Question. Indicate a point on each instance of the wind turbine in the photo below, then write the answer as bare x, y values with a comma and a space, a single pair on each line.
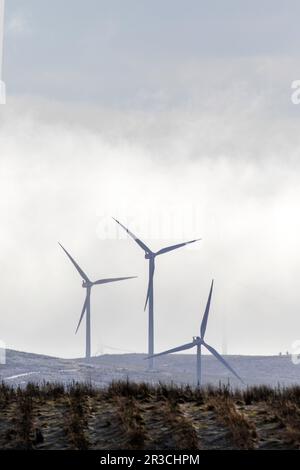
88, 284
151, 255
198, 342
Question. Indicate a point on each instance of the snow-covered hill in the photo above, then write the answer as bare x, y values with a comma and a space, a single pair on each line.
21, 368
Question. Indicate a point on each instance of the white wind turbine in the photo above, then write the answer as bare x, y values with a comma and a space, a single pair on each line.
150, 255
88, 284
198, 342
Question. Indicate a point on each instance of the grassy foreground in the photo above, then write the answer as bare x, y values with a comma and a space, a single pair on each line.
139, 416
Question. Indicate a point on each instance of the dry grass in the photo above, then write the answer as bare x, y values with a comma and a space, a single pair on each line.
243, 432
25, 427
76, 416
130, 417
182, 429
288, 415
139, 416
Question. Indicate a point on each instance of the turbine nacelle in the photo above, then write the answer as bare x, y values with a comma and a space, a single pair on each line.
86, 284
150, 255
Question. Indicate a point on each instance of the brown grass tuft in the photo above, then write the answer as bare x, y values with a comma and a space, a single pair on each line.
242, 431
130, 417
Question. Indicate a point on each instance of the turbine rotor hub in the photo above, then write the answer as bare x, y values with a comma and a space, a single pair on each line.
85, 284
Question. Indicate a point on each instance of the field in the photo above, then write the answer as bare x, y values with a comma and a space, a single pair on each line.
128, 415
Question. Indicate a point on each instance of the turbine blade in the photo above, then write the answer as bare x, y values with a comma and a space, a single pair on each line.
82, 314
205, 316
174, 247
179, 348
221, 359
82, 273
113, 279
150, 282
136, 239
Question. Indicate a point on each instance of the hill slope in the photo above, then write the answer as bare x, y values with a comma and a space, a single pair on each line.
138, 416
178, 368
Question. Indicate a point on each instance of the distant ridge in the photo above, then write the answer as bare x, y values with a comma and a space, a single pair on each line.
24, 367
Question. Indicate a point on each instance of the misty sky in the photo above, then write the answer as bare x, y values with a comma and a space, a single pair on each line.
176, 117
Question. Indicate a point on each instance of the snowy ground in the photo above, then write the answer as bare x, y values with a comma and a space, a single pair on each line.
21, 368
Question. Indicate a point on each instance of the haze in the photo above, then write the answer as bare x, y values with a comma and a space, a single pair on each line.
176, 118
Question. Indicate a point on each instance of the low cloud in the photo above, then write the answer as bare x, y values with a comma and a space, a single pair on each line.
18, 25
227, 177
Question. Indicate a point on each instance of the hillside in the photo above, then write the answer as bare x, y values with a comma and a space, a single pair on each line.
177, 368
138, 416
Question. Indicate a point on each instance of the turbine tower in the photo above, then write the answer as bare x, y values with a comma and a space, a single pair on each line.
150, 256
88, 284
198, 342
